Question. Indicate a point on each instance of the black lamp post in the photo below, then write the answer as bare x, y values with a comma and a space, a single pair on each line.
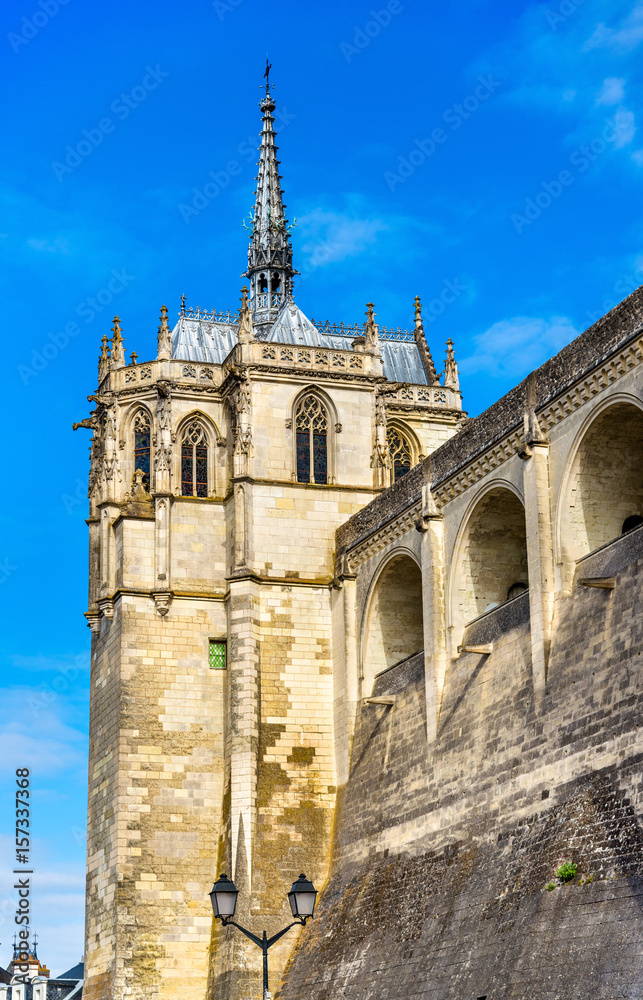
302, 898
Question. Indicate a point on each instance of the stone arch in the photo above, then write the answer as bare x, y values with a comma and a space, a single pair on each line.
332, 425
490, 555
133, 420
392, 624
405, 437
603, 485
210, 438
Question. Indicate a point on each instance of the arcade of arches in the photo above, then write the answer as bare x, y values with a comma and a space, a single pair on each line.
394, 628
493, 561
606, 486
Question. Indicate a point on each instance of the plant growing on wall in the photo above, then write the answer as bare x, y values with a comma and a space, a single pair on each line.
567, 871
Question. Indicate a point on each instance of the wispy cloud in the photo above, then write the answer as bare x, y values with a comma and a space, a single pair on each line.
612, 91
513, 347
58, 904
58, 244
624, 37
344, 235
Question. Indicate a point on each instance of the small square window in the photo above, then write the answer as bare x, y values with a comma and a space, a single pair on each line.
217, 654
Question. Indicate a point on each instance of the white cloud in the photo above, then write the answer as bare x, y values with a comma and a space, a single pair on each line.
514, 347
637, 156
625, 126
330, 236
57, 245
38, 752
624, 38
612, 91
57, 905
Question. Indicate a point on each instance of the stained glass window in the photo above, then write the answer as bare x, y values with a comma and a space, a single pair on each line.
400, 452
311, 426
217, 656
194, 461
142, 446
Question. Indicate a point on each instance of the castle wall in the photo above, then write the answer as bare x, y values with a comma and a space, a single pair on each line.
511, 742
443, 851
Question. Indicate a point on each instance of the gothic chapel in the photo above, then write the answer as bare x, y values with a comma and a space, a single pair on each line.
220, 471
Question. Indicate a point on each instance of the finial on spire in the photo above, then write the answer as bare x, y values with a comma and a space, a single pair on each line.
418, 312
451, 380
103, 360
164, 352
183, 305
246, 331
267, 76
423, 347
371, 329
117, 359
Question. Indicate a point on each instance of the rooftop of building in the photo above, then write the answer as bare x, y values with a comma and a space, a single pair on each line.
209, 336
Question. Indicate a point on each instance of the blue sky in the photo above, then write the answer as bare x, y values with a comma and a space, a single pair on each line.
494, 148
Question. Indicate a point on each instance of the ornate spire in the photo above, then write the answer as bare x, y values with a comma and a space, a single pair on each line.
164, 352
270, 267
246, 331
451, 379
372, 340
103, 361
423, 347
117, 359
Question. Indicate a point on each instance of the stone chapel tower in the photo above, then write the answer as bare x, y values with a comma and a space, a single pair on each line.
222, 698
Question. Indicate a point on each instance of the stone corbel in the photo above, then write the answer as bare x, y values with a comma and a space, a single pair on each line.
93, 621
221, 442
106, 607
430, 510
162, 601
338, 428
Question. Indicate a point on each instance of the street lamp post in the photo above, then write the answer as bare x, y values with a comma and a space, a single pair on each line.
302, 898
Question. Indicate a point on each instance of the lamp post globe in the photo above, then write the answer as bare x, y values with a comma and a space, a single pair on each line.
224, 897
302, 898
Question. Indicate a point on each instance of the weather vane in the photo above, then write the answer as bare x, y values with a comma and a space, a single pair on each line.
267, 75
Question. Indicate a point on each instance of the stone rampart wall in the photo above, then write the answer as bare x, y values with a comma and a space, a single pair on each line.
443, 851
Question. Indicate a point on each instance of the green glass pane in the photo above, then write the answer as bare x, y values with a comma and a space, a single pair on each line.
217, 656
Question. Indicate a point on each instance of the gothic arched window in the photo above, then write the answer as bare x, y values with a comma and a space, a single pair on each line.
142, 446
400, 452
311, 425
194, 461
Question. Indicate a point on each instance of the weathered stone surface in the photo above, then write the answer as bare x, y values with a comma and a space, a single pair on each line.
443, 853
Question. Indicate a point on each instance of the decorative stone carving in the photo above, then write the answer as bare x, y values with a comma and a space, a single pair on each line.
117, 356
380, 459
162, 601
106, 606
532, 431
163, 437
371, 342
164, 352
241, 405
451, 380
423, 347
139, 503
93, 620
